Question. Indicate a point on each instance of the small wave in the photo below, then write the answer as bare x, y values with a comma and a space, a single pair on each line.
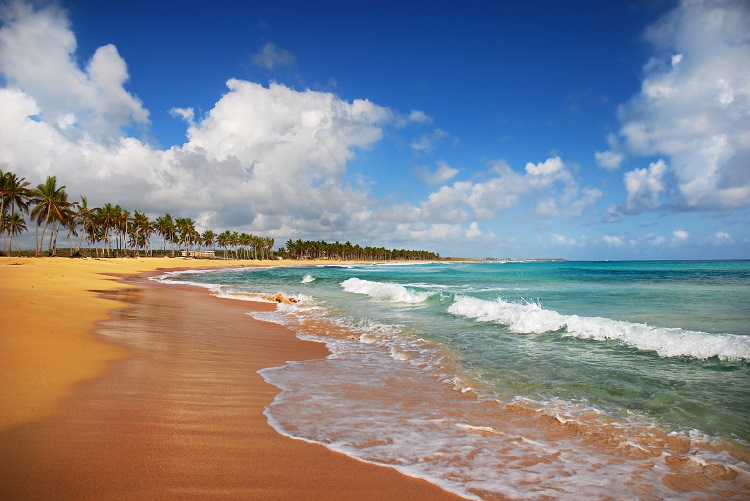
307, 279
531, 318
386, 291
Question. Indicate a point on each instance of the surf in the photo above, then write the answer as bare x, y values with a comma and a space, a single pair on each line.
532, 318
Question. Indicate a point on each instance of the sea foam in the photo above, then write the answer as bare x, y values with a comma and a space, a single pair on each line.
384, 291
531, 318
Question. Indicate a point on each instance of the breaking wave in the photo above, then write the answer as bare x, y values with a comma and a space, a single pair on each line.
385, 291
531, 318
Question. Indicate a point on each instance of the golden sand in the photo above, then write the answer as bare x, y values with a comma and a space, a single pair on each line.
113, 391
49, 311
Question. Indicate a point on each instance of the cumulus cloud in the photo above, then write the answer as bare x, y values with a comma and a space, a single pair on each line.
442, 174
549, 166
609, 160
425, 143
563, 240
680, 235
37, 56
271, 55
549, 183
473, 231
722, 238
268, 159
613, 241
186, 114
644, 187
694, 104
419, 117
654, 240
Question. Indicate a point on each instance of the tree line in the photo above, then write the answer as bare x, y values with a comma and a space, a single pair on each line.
115, 231
320, 249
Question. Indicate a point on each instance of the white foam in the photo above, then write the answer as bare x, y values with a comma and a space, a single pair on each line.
384, 291
307, 279
456, 443
531, 318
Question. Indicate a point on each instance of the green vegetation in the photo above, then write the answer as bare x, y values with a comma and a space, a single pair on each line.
348, 252
112, 231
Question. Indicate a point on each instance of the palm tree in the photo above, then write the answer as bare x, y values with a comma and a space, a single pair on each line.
145, 228
14, 224
13, 193
52, 206
165, 227
122, 216
245, 241
187, 232
224, 240
209, 239
234, 241
139, 232
85, 217
107, 217
269, 247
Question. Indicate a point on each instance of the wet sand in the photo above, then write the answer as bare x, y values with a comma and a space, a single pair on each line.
174, 409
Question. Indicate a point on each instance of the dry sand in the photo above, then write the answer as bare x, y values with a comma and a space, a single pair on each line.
111, 390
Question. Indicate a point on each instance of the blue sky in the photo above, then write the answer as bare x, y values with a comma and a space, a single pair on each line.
577, 129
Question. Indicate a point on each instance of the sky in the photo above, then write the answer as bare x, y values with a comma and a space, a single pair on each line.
575, 129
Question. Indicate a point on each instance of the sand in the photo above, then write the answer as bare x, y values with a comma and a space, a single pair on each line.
113, 390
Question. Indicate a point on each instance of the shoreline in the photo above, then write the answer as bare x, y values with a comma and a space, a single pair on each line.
189, 424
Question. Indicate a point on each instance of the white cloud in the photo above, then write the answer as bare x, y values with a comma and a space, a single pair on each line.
549, 184
654, 240
609, 159
612, 241
37, 55
546, 208
680, 235
694, 104
419, 117
563, 240
473, 231
612, 158
722, 238
644, 187
576, 205
186, 114
271, 55
266, 159
442, 174
425, 143
549, 166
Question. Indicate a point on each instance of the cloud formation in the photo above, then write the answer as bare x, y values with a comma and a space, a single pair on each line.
273, 160
37, 55
549, 184
693, 107
271, 55
267, 158
442, 174
644, 187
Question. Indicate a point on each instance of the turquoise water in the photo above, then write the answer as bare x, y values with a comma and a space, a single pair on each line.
425, 350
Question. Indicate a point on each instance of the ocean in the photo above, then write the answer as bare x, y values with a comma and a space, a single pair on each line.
524, 380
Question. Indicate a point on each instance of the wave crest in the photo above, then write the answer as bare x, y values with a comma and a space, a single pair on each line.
384, 291
531, 318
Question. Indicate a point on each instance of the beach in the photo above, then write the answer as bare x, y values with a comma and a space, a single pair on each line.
450, 372
114, 387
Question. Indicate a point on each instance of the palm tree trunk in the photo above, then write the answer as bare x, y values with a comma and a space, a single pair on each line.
53, 238
41, 240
